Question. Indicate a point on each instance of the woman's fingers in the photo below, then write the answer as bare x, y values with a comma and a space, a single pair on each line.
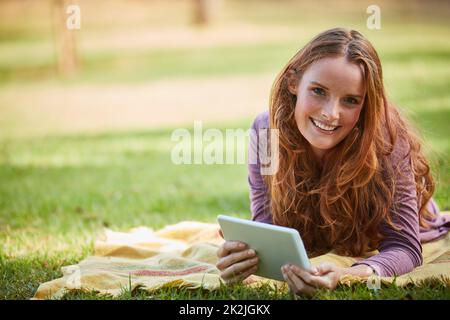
243, 275
234, 270
236, 262
229, 247
313, 281
235, 257
288, 280
296, 284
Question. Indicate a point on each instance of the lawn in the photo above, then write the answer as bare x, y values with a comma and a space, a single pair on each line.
59, 190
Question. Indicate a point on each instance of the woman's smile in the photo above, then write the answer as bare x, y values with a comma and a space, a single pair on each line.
323, 127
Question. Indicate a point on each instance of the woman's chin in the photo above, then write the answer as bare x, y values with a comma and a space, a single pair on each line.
322, 143
323, 146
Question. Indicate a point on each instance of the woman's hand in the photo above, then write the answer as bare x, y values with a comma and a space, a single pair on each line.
307, 282
236, 261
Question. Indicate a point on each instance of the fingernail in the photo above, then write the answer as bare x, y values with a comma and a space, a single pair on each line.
251, 252
241, 245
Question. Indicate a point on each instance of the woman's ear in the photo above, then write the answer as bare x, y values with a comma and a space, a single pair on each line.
292, 81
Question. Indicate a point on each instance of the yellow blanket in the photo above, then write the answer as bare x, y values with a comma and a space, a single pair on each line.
184, 255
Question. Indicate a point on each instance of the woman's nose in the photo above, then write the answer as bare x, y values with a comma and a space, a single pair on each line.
330, 111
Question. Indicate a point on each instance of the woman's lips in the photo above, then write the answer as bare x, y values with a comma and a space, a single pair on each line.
323, 130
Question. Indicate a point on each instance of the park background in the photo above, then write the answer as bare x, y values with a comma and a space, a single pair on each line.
86, 146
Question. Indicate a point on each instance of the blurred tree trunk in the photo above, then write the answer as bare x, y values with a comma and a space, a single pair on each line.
66, 53
205, 11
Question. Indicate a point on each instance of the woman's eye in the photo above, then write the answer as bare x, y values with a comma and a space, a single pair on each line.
351, 100
319, 91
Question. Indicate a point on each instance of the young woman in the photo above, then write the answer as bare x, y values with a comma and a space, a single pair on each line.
351, 175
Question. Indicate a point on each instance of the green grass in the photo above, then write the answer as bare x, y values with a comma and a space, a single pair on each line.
58, 192
427, 290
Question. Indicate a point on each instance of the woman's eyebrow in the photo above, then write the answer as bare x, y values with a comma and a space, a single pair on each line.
354, 96
348, 95
319, 84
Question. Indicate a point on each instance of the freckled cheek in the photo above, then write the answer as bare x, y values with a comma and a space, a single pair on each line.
350, 118
305, 108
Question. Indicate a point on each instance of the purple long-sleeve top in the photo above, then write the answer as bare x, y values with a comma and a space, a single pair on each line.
400, 251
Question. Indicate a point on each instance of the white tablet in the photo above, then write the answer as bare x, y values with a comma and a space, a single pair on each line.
275, 246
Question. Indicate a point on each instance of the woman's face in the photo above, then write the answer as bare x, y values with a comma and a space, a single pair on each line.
330, 96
